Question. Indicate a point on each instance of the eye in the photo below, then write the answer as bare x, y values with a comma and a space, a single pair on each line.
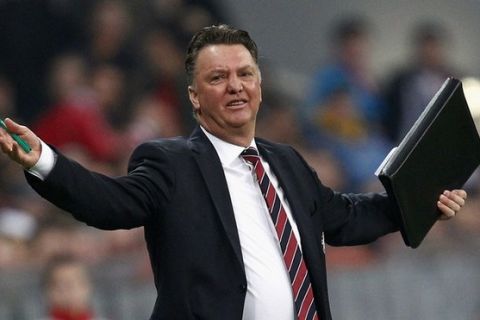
246, 74
217, 77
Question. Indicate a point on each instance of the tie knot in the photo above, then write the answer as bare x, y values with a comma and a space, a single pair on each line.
250, 155
250, 151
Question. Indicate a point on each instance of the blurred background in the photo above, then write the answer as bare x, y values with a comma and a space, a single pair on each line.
343, 81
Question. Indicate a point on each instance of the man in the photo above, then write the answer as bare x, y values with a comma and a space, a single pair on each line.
213, 238
411, 87
68, 290
343, 111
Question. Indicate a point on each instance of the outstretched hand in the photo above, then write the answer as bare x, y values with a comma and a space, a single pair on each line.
11, 148
450, 202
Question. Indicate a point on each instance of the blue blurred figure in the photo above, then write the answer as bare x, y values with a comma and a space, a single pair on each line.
344, 113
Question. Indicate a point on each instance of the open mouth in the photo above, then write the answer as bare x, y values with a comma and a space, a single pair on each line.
237, 103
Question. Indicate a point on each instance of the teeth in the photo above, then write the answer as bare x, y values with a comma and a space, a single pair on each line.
236, 103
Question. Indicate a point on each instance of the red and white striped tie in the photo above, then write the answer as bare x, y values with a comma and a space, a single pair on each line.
292, 255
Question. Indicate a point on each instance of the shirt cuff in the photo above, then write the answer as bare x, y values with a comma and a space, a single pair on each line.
45, 163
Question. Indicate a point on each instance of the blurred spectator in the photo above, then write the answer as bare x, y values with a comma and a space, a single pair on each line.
340, 129
90, 51
326, 166
152, 118
75, 117
110, 87
343, 112
51, 239
16, 231
20, 211
68, 290
349, 68
413, 86
161, 80
28, 43
109, 38
276, 124
184, 17
62, 238
59, 234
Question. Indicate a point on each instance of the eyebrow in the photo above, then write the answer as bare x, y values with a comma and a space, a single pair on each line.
223, 69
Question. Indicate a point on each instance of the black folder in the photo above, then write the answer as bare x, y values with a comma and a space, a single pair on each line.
440, 152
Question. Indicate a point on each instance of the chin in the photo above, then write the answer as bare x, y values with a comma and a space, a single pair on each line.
241, 119
240, 123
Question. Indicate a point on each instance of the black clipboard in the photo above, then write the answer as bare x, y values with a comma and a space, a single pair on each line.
440, 152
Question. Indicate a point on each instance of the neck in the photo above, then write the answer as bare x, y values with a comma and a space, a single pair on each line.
239, 137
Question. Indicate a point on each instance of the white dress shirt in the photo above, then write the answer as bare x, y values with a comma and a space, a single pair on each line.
269, 290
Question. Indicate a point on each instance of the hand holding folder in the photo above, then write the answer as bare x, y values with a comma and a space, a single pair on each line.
440, 152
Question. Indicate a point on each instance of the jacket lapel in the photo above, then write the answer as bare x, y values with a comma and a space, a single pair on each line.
212, 172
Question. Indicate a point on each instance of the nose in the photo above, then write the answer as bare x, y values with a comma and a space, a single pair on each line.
234, 84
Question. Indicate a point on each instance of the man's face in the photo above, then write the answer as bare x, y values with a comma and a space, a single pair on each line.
226, 91
69, 288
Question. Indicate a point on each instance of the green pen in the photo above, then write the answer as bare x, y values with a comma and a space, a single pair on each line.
15, 137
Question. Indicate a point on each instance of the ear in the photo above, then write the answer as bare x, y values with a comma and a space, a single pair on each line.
260, 88
260, 83
192, 94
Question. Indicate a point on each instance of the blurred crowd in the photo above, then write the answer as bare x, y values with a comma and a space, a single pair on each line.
96, 78
107, 75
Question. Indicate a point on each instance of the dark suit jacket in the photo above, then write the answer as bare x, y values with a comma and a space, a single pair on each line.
176, 190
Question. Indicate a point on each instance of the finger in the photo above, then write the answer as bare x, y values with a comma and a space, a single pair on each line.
458, 196
10, 147
452, 204
11, 150
5, 141
458, 199
18, 155
447, 212
6, 148
460, 192
16, 128
24, 133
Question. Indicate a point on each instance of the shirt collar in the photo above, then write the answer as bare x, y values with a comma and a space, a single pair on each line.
227, 152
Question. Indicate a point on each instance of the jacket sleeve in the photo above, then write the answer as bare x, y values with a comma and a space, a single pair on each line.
350, 219
110, 202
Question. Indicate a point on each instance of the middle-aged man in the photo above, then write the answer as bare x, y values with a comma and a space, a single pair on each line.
231, 234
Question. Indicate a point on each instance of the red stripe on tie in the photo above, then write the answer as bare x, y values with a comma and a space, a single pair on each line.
259, 170
307, 304
270, 197
299, 279
290, 251
281, 223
